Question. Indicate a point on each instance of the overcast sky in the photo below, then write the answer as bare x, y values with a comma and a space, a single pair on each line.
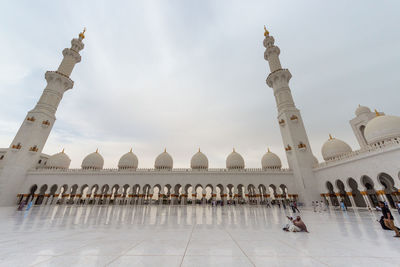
190, 74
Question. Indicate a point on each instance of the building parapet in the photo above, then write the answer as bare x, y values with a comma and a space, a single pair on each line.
363, 152
155, 171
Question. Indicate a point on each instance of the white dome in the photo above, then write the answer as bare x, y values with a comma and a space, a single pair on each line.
381, 128
128, 161
93, 161
333, 148
361, 110
271, 161
234, 161
164, 161
58, 161
199, 161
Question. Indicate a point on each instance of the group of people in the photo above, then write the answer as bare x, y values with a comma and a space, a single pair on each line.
318, 206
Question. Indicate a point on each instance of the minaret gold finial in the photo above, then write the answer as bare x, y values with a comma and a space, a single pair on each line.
377, 113
266, 32
82, 34
330, 137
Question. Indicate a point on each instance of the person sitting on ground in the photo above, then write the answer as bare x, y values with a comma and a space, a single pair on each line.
300, 224
388, 218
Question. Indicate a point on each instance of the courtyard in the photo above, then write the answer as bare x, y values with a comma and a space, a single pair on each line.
197, 235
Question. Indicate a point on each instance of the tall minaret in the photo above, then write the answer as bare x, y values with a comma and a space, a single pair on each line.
24, 151
294, 136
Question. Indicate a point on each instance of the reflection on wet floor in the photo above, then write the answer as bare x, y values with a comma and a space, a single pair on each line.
191, 236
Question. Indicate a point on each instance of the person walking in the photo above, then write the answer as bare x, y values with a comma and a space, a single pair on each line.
295, 206
267, 203
388, 218
343, 206
314, 206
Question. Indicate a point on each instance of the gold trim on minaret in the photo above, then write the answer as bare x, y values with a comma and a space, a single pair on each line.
82, 34
377, 113
266, 32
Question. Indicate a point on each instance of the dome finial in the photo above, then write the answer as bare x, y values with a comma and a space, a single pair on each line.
165, 150
97, 150
62, 150
199, 149
377, 113
82, 34
234, 150
266, 32
130, 150
330, 137
268, 150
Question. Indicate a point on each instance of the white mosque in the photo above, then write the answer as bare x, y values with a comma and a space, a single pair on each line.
358, 178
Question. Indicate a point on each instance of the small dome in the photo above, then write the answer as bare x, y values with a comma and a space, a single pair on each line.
234, 161
333, 148
199, 161
362, 110
164, 161
381, 128
271, 161
128, 161
93, 161
58, 161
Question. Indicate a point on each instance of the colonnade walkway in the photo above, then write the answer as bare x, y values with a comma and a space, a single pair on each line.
193, 235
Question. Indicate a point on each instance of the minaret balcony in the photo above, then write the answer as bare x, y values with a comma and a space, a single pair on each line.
278, 76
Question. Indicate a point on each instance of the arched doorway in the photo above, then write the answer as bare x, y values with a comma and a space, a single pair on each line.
42, 193
343, 194
332, 195
370, 190
358, 198
388, 183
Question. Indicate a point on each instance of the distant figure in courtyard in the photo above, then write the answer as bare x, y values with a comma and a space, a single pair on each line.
267, 203
388, 218
323, 206
279, 203
343, 206
313, 204
398, 206
283, 204
21, 205
295, 206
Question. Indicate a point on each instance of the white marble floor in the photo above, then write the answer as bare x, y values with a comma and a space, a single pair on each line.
191, 236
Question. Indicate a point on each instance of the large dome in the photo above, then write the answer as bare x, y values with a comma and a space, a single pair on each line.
333, 148
271, 161
199, 161
93, 161
381, 128
128, 161
58, 161
362, 110
164, 161
234, 161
